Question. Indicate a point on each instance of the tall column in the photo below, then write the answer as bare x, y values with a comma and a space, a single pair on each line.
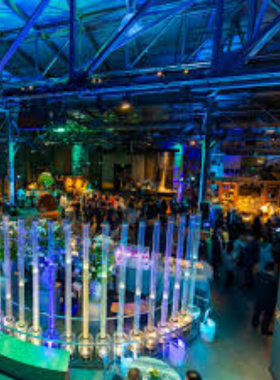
205, 155
79, 160
9, 319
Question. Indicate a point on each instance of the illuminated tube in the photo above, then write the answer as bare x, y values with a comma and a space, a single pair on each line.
68, 287
86, 339
51, 334
164, 328
103, 340
151, 334
21, 324
175, 321
35, 330
189, 250
9, 319
194, 259
120, 337
136, 335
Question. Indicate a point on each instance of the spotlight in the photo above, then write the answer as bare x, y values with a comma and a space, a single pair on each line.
186, 71
31, 88
192, 143
160, 74
100, 80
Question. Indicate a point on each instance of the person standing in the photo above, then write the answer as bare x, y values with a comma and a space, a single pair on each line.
63, 202
217, 252
266, 297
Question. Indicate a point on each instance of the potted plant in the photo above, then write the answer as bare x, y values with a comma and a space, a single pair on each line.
154, 374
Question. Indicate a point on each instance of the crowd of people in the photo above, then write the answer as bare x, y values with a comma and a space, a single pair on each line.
248, 256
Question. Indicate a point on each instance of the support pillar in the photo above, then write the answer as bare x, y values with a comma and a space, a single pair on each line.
11, 157
205, 156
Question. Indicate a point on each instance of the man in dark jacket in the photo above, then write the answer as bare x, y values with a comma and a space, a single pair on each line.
265, 298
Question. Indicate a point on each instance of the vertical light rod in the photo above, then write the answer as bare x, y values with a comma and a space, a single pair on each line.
139, 274
122, 279
179, 257
51, 252
189, 250
21, 271
194, 260
85, 281
166, 279
35, 275
153, 285
8, 274
68, 280
104, 284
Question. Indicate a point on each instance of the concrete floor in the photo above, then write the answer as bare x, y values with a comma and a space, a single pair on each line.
239, 353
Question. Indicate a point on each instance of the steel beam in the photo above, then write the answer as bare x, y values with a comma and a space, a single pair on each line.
263, 39
218, 35
154, 40
150, 25
30, 23
252, 13
72, 37
109, 46
260, 17
55, 58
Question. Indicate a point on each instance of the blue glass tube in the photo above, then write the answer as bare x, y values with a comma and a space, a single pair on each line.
178, 269
166, 278
139, 275
153, 284
21, 271
189, 250
68, 280
51, 270
35, 277
104, 283
8, 273
122, 280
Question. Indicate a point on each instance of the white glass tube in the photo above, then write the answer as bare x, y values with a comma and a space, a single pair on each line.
68, 280
21, 271
139, 274
35, 274
153, 284
85, 281
178, 270
189, 250
194, 260
104, 284
8, 274
122, 279
166, 279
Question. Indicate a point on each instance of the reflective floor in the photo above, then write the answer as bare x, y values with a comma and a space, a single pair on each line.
239, 353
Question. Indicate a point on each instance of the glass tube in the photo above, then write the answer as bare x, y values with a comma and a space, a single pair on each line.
85, 281
21, 271
179, 256
122, 279
166, 279
139, 273
51, 269
189, 250
68, 280
8, 274
104, 284
194, 260
35, 275
153, 285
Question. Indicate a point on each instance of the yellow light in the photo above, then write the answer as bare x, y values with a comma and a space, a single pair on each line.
192, 143
125, 105
31, 88
160, 74
186, 71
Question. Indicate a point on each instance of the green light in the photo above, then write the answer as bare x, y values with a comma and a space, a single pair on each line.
59, 130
